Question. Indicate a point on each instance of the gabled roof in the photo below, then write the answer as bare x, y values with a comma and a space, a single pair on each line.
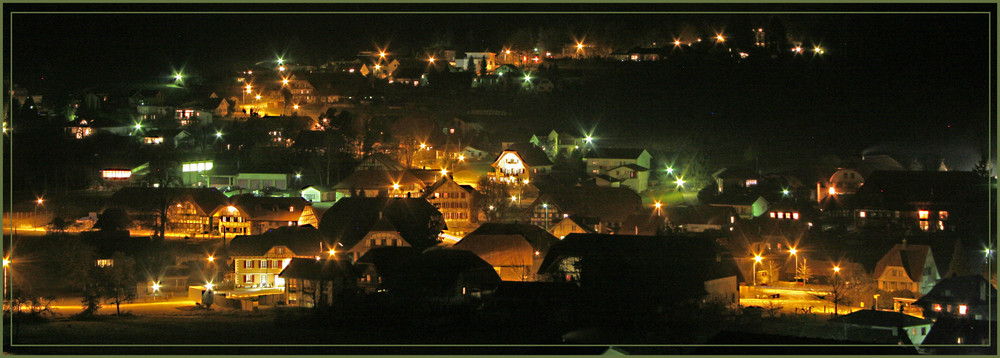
535, 236
445, 180
873, 318
350, 219
903, 188
379, 179
701, 215
266, 208
302, 241
431, 272
614, 153
531, 155
682, 263
635, 167
910, 257
205, 200
609, 204
325, 269
319, 188
972, 290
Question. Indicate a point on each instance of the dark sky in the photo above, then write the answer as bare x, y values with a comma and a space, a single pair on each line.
929, 71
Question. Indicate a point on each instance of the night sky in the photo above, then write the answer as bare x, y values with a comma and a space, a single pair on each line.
889, 80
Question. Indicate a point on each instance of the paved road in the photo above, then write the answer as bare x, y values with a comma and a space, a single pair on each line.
65, 307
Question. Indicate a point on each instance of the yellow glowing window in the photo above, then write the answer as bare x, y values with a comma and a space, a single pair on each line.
942, 215
923, 214
795, 216
773, 215
937, 307
861, 214
963, 309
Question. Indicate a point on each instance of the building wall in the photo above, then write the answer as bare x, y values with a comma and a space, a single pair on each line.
724, 290
894, 278
260, 271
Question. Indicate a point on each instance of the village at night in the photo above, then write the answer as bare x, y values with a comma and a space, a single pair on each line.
341, 179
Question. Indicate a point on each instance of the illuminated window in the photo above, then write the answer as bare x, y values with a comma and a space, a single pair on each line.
751, 182
861, 214
773, 215
925, 226
795, 216
963, 309
923, 214
942, 215
105, 263
937, 307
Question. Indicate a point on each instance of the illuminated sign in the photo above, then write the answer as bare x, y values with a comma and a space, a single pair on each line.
116, 174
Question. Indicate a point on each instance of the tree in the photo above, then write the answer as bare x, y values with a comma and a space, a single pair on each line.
116, 283
113, 219
59, 224
804, 272
493, 198
982, 168
411, 132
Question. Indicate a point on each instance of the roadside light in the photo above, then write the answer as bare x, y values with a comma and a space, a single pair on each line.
833, 191
422, 146
332, 252
218, 134
281, 68
431, 60
657, 204
757, 258
785, 192
836, 269
156, 286
589, 139
579, 46
295, 106
720, 38
280, 60
381, 54
138, 126
461, 158
513, 198
395, 186
284, 81
444, 171
793, 251
211, 258
6, 262
298, 176
680, 182
670, 170
677, 43
537, 253
258, 97
209, 286
40, 201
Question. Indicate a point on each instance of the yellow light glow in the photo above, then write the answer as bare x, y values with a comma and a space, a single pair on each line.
508, 52
657, 204
677, 43
833, 191
378, 66
231, 208
6, 262
793, 251
332, 252
284, 81
422, 146
281, 68
40, 201
395, 186
513, 198
381, 54
720, 38
680, 182
758, 258
211, 258
461, 158
295, 106
836, 269
156, 286
258, 97
579, 46
209, 286
431, 59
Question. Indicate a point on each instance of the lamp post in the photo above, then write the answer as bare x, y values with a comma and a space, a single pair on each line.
6, 262
793, 252
756, 260
836, 293
875, 304
35, 216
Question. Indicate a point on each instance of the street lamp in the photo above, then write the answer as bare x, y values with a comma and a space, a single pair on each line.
793, 252
657, 205
38, 203
836, 293
546, 207
6, 263
756, 260
875, 306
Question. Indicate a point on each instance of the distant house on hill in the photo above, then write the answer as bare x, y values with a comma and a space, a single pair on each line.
907, 268
965, 297
520, 162
883, 327
188, 210
627, 165
700, 218
457, 203
927, 201
437, 276
514, 250
356, 225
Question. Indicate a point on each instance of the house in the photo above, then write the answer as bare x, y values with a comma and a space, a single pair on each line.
628, 166
883, 327
520, 162
188, 210
246, 214
700, 218
187, 116
570, 224
907, 268
925, 201
324, 282
548, 141
301, 90
659, 269
965, 297
611, 205
515, 251
457, 203
436, 276
378, 175
257, 260
318, 193
843, 181
358, 224
747, 206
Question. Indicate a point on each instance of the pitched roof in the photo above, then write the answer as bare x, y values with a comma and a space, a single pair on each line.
682, 263
531, 155
379, 179
614, 153
350, 219
497, 236
609, 204
910, 257
266, 208
302, 241
701, 214
205, 200
642, 224
325, 269
875, 318
902, 188
972, 290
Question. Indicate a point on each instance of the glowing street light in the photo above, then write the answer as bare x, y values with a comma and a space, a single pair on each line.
720, 38
579, 46
670, 170
461, 158
677, 43
258, 97
178, 77
431, 60
794, 252
785, 192
156, 287
211, 258
138, 126
395, 186
444, 171
208, 286
218, 135
588, 139
332, 252
756, 260
281, 61
284, 81
295, 106
680, 182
